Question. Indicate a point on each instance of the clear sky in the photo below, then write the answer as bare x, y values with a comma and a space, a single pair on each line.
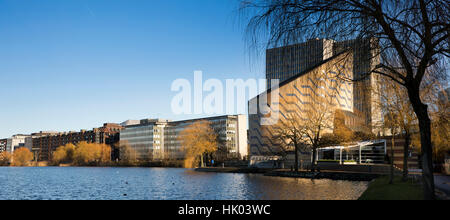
76, 64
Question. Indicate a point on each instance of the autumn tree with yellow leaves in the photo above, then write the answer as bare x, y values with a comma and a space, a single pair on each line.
197, 140
5, 158
82, 154
22, 157
91, 154
64, 154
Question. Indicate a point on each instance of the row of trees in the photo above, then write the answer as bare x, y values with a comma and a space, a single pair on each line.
82, 154
20, 157
198, 140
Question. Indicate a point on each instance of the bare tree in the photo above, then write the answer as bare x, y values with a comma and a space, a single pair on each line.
394, 103
317, 131
312, 128
127, 154
438, 96
416, 33
289, 135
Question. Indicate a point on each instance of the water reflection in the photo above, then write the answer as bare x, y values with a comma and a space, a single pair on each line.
164, 184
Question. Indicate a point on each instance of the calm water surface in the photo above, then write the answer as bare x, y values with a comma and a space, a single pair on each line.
71, 183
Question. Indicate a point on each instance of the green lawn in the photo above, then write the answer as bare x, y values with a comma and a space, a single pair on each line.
380, 189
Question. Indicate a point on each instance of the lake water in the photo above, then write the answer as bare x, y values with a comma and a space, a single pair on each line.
72, 183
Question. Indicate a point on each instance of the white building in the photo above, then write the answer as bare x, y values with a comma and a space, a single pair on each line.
158, 139
15, 142
146, 138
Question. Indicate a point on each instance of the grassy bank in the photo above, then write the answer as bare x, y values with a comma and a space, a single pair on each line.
380, 189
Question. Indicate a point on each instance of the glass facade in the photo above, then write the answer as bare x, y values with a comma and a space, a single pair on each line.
155, 139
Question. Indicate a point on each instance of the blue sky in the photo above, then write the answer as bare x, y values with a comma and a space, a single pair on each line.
76, 64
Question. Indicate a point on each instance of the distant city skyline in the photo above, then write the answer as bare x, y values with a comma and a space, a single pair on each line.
76, 64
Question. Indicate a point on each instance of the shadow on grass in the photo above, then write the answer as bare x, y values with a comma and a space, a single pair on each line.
380, 189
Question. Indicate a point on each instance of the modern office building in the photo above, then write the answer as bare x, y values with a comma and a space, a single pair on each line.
146, 138
231, 131
15, 142
286, 62
45, 143
366, 56
301, 96
130, 122
156, 139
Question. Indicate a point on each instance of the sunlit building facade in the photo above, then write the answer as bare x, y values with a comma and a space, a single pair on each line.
156, 139
45, 143
15, 142
146, 138
286, 62
300, 95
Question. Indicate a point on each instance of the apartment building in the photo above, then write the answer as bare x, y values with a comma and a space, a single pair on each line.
45, 143
3, 143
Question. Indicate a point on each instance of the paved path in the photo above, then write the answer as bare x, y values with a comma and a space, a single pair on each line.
442, 183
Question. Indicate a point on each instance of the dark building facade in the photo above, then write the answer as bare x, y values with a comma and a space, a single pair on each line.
3, 143
45, 144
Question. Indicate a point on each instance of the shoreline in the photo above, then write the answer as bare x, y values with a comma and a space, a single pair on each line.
333, 175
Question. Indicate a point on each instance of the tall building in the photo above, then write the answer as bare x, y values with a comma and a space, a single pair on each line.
45, 143
301, 96
15, 142
159, 139
286, 62
366, 90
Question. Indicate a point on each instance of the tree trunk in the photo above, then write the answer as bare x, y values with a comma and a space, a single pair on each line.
427, 157
313, 163
296, 159
421, 111
406, 156
391, 179
201, 161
